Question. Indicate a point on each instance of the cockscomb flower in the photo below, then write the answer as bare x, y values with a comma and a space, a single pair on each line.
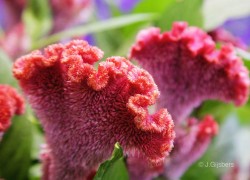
10, 104
85, 111
188, 69
190, 144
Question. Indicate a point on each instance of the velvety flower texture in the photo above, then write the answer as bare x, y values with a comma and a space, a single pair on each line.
85, 111
10, 104
188, 69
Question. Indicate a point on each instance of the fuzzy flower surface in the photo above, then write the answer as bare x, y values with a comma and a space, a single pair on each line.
188, 69
10, 104
85, 111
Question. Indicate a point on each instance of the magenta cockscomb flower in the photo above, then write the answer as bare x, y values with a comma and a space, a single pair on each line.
188, 69
190, 144
85, 111
11, 104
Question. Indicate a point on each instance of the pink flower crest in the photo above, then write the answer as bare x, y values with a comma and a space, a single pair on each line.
85, 110
188, 70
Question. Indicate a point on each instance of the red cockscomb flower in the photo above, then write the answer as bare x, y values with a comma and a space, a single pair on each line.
84, 110
10, 104
188, 69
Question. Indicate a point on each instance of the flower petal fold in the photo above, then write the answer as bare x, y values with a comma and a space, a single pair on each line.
188, 69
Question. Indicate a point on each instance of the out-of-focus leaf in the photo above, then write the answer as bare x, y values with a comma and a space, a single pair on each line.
15, 149
243, 114
196, 171
35, 172
183, 10
38, 138
217, 11
148, 6
6, 76
218, 109
114, 168
152, 6
95, 27
37, 18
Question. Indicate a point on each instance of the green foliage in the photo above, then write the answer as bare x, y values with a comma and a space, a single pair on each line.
114, 168
5, 70
153, 6
15, 149
183, 10
37, 18
94, 27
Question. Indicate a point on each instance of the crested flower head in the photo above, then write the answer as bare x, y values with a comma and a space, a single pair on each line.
85, 111
188, 69
11, 103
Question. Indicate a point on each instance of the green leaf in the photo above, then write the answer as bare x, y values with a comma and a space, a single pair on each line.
243, 114
182, 10
37, 18
95, 27
114, 168
195, 172
152, 7
217, 11
15, 149
6, 76
35, 172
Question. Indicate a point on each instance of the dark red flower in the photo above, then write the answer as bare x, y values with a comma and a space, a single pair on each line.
188, 69
85, 111
11, 103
